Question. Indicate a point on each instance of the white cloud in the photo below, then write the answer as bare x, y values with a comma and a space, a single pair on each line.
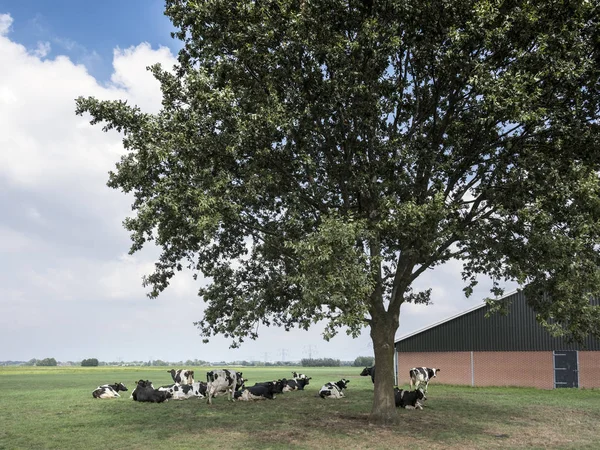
42, 49
5, 22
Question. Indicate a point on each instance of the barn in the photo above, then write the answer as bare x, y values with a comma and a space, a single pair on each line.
511, 350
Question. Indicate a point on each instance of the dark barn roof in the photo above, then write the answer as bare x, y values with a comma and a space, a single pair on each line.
471, 331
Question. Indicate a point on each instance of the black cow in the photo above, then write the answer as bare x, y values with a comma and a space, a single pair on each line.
369, 371
278, 385
145, 392
409, 399
296, 385
109, 390
260, 392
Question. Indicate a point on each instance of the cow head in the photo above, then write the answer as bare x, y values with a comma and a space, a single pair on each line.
432, 373
366, 372
119, 387
420, 394
342, 384
240, 381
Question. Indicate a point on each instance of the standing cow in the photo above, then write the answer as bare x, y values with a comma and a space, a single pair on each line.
369, 371
421, 375
182, 376
223, 381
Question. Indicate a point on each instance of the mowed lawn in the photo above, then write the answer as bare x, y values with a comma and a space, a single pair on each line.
53, 408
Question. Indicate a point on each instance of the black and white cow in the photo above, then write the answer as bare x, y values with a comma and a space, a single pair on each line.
334, 390
182, 376
108, 390
409, 399
421, 375
299, 376
369, 371
144, 392
257, 392
223, 380
296, 385
183, 391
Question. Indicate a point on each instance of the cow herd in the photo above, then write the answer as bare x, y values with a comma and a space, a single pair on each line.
233, 384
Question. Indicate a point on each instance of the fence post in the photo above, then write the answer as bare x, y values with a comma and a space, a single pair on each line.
472, 371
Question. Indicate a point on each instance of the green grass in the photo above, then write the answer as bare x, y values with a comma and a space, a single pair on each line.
53, 408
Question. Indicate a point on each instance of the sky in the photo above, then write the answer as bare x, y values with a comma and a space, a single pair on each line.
68, 287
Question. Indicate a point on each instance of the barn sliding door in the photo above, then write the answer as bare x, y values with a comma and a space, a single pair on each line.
566, 369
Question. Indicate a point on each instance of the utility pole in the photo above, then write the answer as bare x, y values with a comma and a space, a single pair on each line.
283, 352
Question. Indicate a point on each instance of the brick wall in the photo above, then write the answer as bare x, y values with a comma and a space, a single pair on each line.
589, 369
534, 369
455, 366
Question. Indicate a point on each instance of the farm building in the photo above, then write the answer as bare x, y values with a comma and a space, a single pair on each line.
511, 350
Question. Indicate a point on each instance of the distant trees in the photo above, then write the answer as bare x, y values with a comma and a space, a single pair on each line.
364, 361
320, 362
92, 362
46, 362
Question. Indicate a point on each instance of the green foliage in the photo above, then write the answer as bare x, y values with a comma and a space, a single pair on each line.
46, 362
364, 361
320, 362
91, 362
313, 159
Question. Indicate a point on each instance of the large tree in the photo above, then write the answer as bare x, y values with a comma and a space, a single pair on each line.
313, 158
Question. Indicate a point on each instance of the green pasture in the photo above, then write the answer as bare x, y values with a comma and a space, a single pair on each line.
52, 408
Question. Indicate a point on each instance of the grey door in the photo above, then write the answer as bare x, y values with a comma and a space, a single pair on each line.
566, 370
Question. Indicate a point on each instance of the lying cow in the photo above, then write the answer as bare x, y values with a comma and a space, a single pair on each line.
109, 390
182, 376
421, 375
257, 392
140, 383
369, 371
334, 390
409, 399
183, 391
278, 385
144, 392
296, 385
223, 381
299, 376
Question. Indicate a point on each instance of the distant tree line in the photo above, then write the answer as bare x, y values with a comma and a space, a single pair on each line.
320, 362
92, 362
364, 361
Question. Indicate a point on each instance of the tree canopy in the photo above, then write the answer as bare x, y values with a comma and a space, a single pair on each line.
312, 159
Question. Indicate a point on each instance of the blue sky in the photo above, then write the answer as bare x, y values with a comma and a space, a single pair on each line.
68, 288
88, 31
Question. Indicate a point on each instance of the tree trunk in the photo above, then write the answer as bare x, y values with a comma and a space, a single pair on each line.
383, 330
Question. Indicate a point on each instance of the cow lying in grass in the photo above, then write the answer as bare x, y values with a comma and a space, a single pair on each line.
183, 391
109, 390
298, 376
256, 392
278, 385
334, 390
145, 392
296, 385
409, 399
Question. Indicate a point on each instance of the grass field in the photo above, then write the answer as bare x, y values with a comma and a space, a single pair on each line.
53, 408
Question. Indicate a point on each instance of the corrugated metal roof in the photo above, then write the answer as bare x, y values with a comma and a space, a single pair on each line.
467, 311
472, 331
